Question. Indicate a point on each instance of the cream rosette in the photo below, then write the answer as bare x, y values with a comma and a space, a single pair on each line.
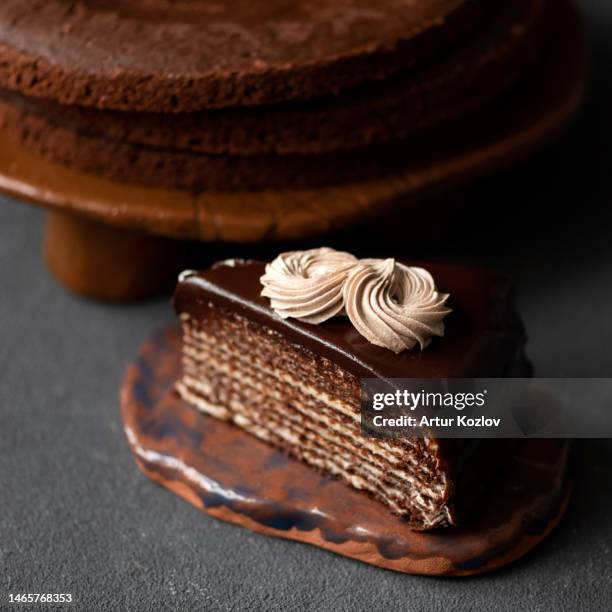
307, 285
393, 305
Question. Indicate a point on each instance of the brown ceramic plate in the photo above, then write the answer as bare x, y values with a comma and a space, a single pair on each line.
232, 476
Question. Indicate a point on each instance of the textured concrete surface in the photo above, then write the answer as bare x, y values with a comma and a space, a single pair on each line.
77, 517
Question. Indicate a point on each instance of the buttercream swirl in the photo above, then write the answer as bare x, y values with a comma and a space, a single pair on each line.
390, 304
393, 305
307, 285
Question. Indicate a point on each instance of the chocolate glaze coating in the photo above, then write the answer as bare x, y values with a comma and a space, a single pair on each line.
482, 339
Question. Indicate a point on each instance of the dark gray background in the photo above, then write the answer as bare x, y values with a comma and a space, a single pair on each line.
76, 516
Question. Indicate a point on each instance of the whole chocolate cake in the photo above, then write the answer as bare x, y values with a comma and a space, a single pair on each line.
280, 351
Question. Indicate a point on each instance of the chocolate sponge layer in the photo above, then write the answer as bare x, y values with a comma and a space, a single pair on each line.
462, 78
180, 56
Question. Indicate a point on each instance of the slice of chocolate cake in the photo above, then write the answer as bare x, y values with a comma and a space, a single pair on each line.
279, 350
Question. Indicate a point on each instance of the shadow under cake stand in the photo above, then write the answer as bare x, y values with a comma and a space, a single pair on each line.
115, 241
231, 475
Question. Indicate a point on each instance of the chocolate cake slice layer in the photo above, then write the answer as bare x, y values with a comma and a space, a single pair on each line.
297, 385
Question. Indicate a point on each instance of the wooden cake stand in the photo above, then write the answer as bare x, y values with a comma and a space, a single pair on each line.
233, 476
117, 241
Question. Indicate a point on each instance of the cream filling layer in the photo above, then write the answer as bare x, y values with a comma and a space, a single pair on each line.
226, 361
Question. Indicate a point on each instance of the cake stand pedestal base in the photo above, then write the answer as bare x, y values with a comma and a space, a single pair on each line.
108, 262
234, 477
